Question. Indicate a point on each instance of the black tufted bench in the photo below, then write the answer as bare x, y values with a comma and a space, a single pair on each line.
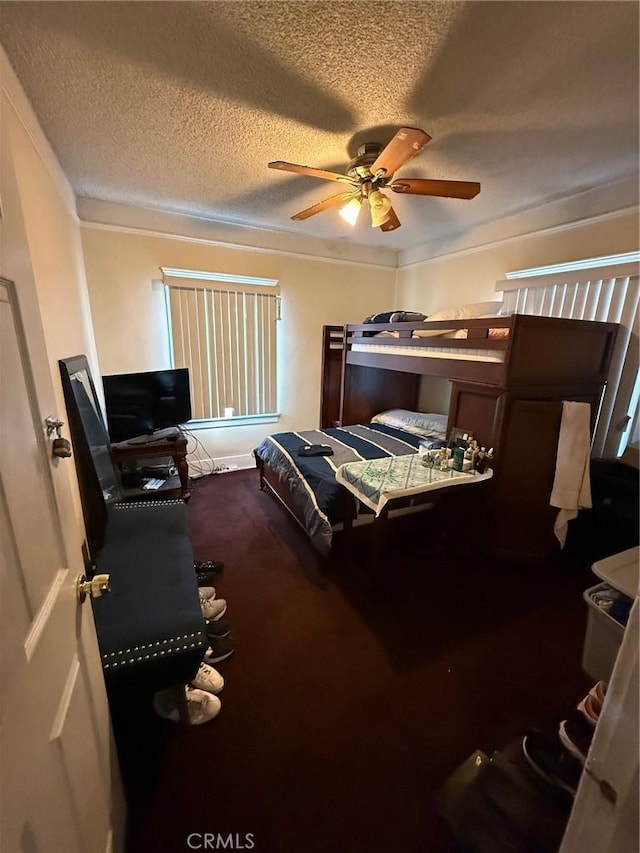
150, 628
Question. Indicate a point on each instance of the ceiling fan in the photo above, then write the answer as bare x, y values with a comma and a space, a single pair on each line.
373, 170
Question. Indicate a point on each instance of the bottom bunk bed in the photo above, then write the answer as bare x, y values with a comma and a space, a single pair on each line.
319, 490
307, 484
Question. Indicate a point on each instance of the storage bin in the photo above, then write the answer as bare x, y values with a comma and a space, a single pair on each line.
602, 640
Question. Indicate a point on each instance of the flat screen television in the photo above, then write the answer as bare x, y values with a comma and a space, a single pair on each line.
141, 404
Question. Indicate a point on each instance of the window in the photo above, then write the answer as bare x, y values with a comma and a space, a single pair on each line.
223, 328
605, 288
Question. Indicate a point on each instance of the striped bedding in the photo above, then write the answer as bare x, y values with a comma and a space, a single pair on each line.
311, 479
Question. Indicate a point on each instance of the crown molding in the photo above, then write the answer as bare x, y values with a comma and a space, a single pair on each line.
575, 273
16, 96
621, 261
153, 222
482, 247
600, 204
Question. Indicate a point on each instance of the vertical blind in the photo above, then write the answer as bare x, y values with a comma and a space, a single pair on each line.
227, 339
608, 295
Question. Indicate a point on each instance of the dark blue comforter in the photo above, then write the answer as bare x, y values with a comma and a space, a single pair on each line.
312, 480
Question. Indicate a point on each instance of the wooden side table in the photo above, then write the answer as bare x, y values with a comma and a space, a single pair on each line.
174, 447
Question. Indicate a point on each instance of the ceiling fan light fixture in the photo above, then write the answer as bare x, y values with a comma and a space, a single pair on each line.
380, 208
372, 170
351, 211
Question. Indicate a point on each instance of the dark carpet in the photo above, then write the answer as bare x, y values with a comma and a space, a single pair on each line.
342, 716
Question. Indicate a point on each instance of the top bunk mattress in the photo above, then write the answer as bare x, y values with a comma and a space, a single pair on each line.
516, 350
432, 351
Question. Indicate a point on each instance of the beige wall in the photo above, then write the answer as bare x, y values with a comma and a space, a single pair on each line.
131, 330
471, 276
56, 258
41, 253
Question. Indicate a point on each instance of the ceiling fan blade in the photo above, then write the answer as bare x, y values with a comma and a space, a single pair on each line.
404, 145
392, 222
341, 198
445, 189
309, 170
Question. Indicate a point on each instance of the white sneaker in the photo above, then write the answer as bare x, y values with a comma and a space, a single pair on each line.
207, 592
213, 608
201, 706
209, 679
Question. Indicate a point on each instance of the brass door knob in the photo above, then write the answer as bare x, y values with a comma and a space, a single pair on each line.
97, 586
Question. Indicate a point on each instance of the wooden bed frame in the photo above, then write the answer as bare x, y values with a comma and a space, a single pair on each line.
367, 547
514, 406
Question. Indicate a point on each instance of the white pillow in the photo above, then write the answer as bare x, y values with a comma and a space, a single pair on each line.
419, 423
459, 312
493, 333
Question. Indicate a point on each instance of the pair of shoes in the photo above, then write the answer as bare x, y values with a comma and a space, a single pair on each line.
201, 706
218, 628
589, 710
576, 734
212, 608
591, 706
205, 578
206, 592
220, 648
208, 565
551, 761
207, 678
599, 691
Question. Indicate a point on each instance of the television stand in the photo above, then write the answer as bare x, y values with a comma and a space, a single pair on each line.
175, 447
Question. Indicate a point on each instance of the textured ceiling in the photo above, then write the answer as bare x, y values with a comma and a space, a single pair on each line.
180, 106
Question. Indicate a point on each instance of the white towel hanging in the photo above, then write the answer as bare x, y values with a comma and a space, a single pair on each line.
572, 484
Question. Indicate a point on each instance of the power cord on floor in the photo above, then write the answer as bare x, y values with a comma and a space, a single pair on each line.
198, 466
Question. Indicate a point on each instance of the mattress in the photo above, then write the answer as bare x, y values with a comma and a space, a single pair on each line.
462, 354
312, 479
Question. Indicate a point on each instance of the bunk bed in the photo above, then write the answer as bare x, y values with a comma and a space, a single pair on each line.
509, 376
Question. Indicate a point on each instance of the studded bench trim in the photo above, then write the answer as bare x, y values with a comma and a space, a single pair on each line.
149, 651
145, 504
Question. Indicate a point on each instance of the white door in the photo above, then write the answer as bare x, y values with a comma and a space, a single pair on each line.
55, 759
60, 789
